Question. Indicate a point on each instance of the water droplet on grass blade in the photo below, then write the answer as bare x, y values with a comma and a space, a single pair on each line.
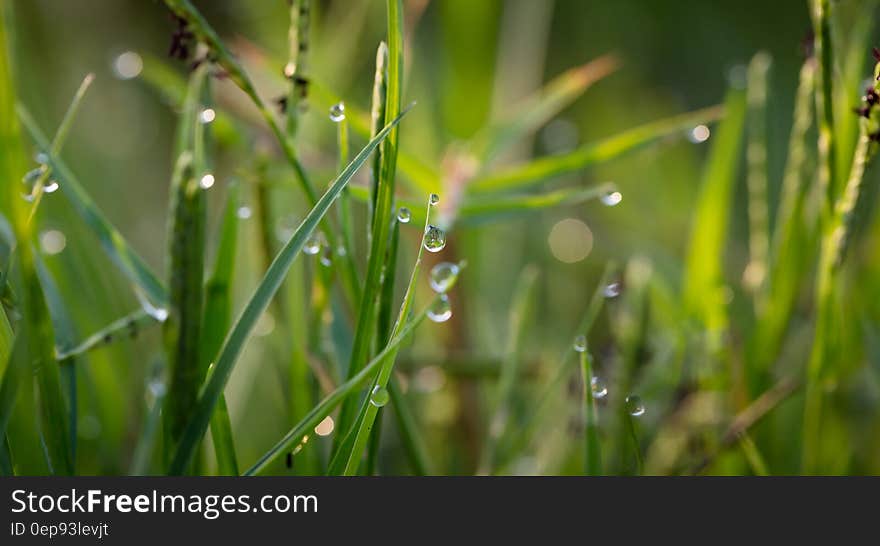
433, 199
379, 397
207, 181
30, 178
435, 239
443, 277
313, 244
612, 290
244, 213
699, 134
580, 343
51, 186
208, 115
634, 405
403, 215
337, 112
440, 310
326, 258
600, 390
612, 198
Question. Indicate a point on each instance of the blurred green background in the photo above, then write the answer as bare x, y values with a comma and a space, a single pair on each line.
467, 62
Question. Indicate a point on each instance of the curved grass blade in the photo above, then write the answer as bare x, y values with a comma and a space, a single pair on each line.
534, 112
538, 171
478, 209
328, 404
112, 241
258, 303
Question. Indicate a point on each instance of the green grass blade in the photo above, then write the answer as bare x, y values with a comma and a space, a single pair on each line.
592, 449
258, 303
479, 209
126, 327
536, 172
518, 321
820, 11
295, 70
383, 213
377, 119
217, 316
112, 241
703, 279
186, 247
328, 404
410, 436
535, 111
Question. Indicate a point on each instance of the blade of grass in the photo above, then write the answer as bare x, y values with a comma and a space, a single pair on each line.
536, 172
703, 276
477, 210
535, 111
592, 448
241, 330
295, 70
365, 329
410, 437
114, 244
217, 316
820, 12
520, 313
329, 403
127, 326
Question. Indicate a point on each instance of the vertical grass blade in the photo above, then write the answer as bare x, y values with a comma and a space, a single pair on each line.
295, 70
756, 179
820, 12
592, 448
241, 330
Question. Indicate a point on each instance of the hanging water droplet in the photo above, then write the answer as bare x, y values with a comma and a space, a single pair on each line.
580, 343
42, 158
289, 70
443, 277
313, 244
435, 239
600, 390
434, 199
440, 310
207, 181
403, 215
158, 313
379, 396
244, 212
612, 290
326, 258
51, 187
207, 115
634, 405
611, 198
337, 112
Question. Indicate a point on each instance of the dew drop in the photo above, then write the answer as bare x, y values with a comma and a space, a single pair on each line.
435, 239
379, 396
158, 313
244, 212
313, 244
612, 290
600, 390
434, 199
207, 181
30, 178
443, 277
289, 70
699, 134
337, 112
580, 343
207, 115
285, 227
52, 241
403, 215
42, 158
28, 197
612, 198
51, 187
440, 310
326, 258
157, 388
128, 65
634, 405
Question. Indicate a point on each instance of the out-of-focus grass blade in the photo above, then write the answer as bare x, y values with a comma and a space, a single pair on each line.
218, 310
186, 245
410, 436
128, 326
111, 239
35, 327
820, 12
520, 313
592, 449
478, 209
323, 409
534, 112
703, 279
235, 340
538, 171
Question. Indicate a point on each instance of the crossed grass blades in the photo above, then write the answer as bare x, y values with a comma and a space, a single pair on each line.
342, 329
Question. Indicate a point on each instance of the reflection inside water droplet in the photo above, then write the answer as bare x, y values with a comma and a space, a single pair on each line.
337, 112
440, 310
435, 239
580, 343
634, 405
379, 397
443, 276
600, 390
403, 215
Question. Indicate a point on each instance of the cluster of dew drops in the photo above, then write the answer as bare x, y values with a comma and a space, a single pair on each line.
633, 403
